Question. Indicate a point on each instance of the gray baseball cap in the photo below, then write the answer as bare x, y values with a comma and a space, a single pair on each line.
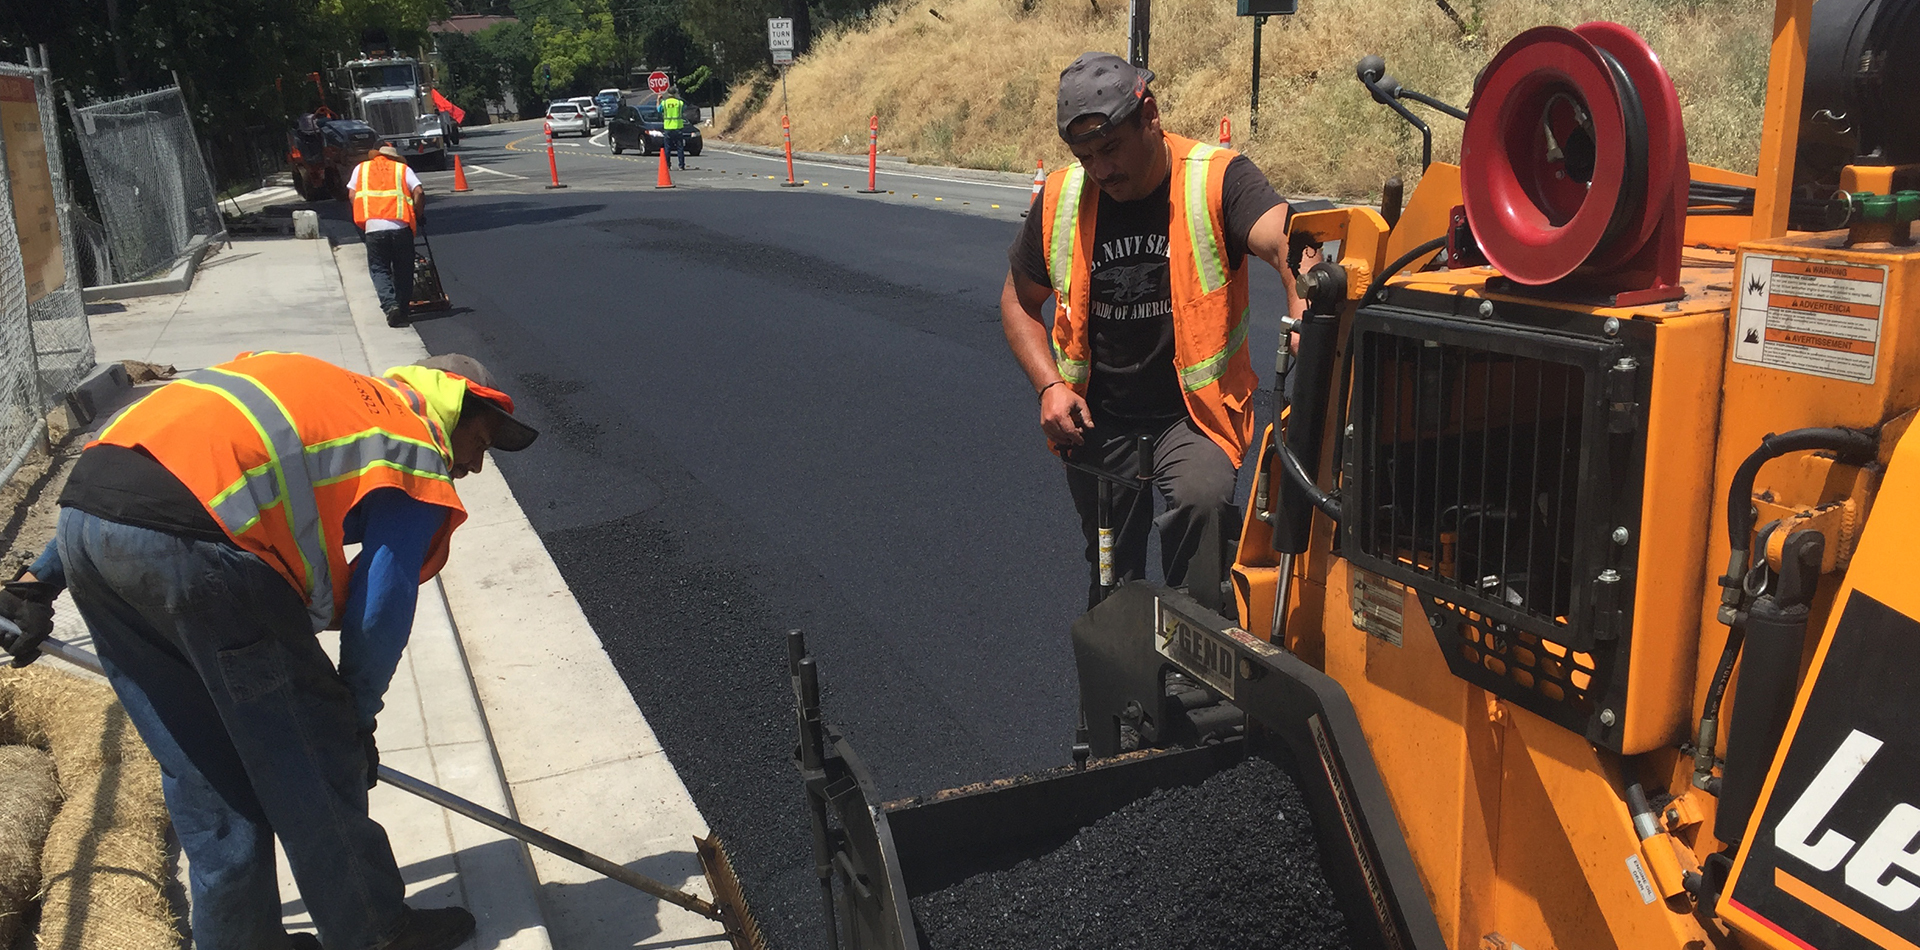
1100, 84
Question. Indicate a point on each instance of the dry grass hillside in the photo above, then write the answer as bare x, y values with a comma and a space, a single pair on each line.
974, 84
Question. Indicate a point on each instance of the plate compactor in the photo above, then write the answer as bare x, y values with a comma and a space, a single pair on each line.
1575, 586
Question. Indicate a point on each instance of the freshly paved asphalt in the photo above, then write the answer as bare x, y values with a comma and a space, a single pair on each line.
766, 409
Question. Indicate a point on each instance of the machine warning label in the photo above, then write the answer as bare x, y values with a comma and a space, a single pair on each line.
1816, 317
1378, 605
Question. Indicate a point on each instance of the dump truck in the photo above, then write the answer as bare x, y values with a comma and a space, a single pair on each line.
1571, 590
394, 95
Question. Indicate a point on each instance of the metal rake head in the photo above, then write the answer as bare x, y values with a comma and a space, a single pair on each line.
742, 930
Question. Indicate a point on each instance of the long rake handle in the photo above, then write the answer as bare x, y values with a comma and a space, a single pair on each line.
546, 842
454, 803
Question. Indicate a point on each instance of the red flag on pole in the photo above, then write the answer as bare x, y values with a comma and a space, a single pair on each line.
445, 105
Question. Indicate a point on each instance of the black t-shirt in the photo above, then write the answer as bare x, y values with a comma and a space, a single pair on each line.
1130, 320
127, 486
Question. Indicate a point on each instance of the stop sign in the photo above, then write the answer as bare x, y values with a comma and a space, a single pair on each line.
657, 83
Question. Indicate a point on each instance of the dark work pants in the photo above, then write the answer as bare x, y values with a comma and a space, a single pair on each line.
1196, 478
390, 264
214, 658
677, 145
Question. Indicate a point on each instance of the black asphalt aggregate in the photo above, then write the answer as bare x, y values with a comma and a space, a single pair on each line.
765, 409
1231, 862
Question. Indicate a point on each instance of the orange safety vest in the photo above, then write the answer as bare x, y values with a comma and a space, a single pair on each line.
1210, 312
279, 447
383, 192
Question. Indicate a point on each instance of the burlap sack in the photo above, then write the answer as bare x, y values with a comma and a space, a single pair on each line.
29, 795
104, 865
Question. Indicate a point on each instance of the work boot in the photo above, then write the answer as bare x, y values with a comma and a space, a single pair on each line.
441, 928
397, 317
301, 940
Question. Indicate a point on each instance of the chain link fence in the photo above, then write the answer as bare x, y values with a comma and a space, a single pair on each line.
155, 197
45, 346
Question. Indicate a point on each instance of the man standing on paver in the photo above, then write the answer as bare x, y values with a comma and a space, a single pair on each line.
386, 195
673, 121
202, 536
1149, 337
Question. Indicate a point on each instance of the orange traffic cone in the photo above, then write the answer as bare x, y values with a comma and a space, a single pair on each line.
459, 176
666, 177
1039, 180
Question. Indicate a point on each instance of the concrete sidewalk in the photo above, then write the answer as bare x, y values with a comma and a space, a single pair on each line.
551, 736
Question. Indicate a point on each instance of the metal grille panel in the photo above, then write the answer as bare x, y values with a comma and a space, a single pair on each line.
392, 117
1488, 467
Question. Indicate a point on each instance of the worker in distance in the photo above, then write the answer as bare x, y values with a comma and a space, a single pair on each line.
1143, 246
202, 537
386, 197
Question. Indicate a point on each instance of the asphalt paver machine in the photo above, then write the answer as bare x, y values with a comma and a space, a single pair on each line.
1575, 587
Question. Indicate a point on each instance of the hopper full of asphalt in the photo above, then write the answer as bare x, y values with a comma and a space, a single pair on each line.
1231, 862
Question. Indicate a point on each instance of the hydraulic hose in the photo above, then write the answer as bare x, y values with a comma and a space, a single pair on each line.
1401, 263
1852, 446
1298, 448
1297, 473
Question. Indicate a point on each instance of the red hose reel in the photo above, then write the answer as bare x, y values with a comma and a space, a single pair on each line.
1573, 169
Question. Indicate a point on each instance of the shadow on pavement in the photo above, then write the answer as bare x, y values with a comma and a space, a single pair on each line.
493, 928
603, 915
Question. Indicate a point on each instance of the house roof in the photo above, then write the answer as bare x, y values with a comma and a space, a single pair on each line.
469, 23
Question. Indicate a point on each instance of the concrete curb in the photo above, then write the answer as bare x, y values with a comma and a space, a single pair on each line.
104, 390
577, 757
177, 281
860, 161
454, 747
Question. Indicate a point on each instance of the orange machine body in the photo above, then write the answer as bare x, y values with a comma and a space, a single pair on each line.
1518, 824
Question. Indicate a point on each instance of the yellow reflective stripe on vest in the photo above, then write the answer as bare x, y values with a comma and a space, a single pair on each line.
1066, 234
339, 459
293, 486
1209, 258
1208, 371
1074, 372
238, 506
1066, 226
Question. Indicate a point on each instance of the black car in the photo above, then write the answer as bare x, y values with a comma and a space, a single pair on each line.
639, 127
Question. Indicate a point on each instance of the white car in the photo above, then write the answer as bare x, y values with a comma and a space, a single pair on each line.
587, 105
565, 117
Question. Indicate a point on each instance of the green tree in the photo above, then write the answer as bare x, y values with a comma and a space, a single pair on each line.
510, 50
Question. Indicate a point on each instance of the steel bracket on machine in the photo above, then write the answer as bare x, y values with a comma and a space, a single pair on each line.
1574, 168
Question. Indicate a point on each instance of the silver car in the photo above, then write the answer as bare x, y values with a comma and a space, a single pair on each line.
592, 110
566, 117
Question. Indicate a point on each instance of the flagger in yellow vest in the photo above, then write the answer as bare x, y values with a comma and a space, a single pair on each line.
203, 537
673, 122
386, 197
1142, 244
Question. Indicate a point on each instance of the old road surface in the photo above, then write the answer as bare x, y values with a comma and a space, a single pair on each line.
768, 408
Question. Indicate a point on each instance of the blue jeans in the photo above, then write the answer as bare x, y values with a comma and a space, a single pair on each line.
390, 266
677, 145
212, 655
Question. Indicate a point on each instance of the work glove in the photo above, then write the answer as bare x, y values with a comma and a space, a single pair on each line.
373, 756
29, 606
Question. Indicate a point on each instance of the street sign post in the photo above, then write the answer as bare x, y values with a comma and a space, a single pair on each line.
780, 44
657, 83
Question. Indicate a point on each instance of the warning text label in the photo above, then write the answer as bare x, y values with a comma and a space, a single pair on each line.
1816, 317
